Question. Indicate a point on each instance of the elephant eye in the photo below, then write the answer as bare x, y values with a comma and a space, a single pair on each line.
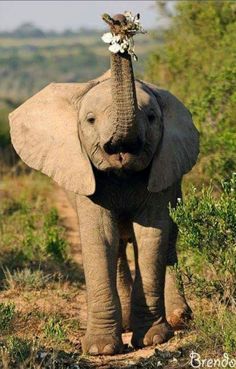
90, 118
151, 117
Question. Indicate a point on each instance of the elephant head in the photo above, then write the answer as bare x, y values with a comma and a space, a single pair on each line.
113, 123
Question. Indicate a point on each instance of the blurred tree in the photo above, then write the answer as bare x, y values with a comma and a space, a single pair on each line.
28, 30
197, 63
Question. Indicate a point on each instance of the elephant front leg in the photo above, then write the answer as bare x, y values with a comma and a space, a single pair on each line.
100, 240
148, 318
124, 284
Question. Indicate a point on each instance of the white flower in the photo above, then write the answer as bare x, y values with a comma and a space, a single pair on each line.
107, 37
114, 48
125, 42
116, 38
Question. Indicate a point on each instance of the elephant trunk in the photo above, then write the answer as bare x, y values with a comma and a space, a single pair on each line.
124, 99
125, 105
123, 94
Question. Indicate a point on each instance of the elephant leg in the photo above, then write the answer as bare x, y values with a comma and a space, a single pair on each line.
124, 285
148, 318
178, 312
100, 243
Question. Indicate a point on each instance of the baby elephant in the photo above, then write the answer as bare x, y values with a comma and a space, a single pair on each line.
121, 146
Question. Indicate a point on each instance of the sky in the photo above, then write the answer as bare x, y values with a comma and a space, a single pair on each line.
61, 15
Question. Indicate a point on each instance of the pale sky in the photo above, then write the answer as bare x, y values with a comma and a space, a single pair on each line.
60, 15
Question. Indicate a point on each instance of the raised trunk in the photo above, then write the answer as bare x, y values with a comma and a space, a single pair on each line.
123, 96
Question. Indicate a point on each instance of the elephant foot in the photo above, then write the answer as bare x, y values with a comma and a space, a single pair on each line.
155, 335
101, 344
180, 317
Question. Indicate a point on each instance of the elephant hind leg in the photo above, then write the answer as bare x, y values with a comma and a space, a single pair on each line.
178, 312
124, 285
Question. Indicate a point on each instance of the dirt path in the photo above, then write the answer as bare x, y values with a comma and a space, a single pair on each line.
131, 358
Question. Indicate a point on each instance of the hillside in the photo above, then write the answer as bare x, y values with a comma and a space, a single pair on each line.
28, 64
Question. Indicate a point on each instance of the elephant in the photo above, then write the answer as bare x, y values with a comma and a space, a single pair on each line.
120, 147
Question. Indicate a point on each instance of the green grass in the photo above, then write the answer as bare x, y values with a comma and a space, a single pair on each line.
216, 330
29, 228
7, 313
54, 329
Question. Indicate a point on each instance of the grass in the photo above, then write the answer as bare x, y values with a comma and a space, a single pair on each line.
216, 330
39, 281
7, 313
26, 279
54, 329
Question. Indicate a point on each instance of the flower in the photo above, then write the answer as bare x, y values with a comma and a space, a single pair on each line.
115, 48
107, 37
125, 42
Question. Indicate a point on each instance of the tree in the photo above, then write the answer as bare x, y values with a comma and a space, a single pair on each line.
197, 63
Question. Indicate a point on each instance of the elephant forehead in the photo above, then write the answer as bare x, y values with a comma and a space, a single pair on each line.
99, 98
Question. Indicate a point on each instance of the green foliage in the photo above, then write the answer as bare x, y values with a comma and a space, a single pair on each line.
54, 329
38, 233
7, 312
216, 330
208, 239
4, 127
30, 231
197, 63
55, 244
18, 349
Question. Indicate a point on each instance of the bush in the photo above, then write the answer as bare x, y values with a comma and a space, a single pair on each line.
207, 228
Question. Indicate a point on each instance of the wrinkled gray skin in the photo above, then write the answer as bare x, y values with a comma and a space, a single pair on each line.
124, 172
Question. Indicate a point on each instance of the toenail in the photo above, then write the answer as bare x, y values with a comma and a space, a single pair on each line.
157, 339
93, 350
108, 349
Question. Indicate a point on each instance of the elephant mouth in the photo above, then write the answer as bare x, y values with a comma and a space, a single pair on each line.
128, 162
120, 160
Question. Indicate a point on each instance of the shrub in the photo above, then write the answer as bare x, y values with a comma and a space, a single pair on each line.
207, 226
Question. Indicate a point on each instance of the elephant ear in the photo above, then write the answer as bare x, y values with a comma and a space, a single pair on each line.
44, 134
179, 148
